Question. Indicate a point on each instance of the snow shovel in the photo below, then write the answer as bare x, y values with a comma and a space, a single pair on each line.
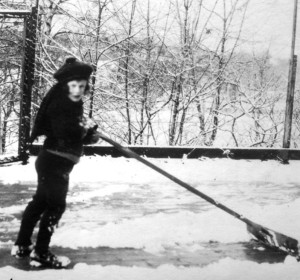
263, 235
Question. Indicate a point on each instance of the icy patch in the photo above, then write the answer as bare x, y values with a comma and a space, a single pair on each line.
154, 233
6, 244
12, 209
182, 229
82, 196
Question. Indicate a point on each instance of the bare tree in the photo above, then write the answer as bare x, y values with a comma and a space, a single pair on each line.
176, 77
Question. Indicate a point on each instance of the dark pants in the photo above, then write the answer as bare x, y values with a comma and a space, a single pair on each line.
48, 203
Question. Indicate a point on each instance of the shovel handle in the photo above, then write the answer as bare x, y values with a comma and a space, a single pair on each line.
132, 154
268, 237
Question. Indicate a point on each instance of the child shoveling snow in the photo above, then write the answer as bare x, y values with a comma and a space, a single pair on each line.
60, 119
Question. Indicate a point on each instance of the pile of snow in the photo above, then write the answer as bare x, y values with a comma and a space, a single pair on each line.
100, 169
225, 269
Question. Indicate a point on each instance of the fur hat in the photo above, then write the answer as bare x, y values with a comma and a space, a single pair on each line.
73, 69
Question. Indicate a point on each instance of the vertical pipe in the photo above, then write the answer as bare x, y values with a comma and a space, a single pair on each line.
1, 151
291, 85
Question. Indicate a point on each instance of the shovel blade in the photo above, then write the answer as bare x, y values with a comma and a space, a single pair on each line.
274, 240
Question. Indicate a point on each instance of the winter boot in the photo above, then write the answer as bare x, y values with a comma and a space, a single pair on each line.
48, 260
19, 251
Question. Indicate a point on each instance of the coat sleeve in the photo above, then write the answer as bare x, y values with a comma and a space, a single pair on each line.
65, 124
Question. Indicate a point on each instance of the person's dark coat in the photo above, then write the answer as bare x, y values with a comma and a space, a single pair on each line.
61, 121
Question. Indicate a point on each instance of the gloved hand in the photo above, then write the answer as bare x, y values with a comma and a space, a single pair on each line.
88, 123
92, 136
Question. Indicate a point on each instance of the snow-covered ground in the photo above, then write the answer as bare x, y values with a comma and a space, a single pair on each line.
118, 203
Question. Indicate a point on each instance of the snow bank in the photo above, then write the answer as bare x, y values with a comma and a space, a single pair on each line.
225, 269
99, 169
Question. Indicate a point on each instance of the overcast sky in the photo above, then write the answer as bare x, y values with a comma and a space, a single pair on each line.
269, 24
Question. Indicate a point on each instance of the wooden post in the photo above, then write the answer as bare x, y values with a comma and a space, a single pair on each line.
27, 81
291, 86
290, 103
1, 151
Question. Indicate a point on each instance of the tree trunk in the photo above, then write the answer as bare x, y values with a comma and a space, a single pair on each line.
201, 120
220, 81
175, 112
143, 107
4, 135
126, 69
146, 78
93, 82
97, 57
181, 125
1, 134
5, 123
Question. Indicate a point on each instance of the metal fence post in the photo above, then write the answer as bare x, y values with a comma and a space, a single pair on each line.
28, 68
